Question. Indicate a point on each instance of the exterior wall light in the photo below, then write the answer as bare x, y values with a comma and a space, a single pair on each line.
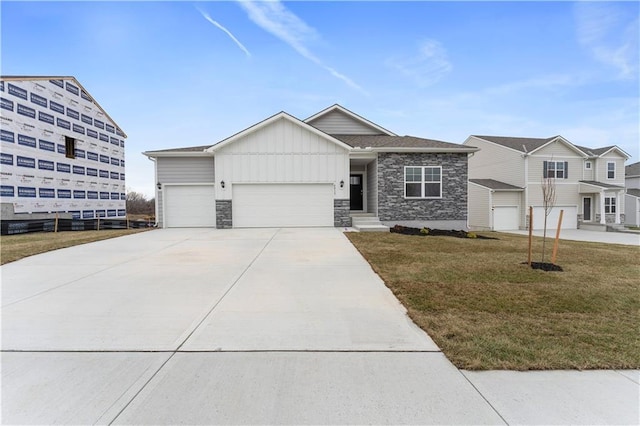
159, 186
342, 184
222, 184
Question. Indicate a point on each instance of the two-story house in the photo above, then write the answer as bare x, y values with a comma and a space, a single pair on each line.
632, 196
506, 177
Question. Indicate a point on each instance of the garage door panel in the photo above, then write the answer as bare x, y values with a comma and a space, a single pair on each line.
190, 206
282, 205
569, 217
505, 218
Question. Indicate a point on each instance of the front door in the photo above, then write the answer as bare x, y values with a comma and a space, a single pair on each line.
586, 209
355, 193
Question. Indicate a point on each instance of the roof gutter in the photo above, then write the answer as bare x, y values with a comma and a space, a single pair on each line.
157, 154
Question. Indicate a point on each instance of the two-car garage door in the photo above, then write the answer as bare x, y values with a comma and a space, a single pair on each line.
275, 205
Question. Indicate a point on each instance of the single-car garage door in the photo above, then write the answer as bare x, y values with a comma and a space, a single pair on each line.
282, 205
505, 218
189, 206
569, 217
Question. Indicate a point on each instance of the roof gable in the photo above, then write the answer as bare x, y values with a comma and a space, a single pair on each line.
402, 143
72, 79
339, 112
601, 152
280, 116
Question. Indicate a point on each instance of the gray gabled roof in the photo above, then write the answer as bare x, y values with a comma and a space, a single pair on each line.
633, 192
519, 144
496, 185
595, 152
384, 141
200, 148
601, 184
632, 170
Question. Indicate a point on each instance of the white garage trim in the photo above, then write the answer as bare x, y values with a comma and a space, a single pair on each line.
282, 205
189, 205
506, 218
569, 217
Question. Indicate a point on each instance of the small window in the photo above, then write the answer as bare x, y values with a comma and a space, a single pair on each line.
587, 165
423, 182
611, 170
610, 205
70, 147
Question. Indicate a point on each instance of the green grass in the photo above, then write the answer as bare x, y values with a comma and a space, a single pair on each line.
15, 247
487, 310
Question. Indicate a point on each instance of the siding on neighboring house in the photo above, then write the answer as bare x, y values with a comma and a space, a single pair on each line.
511, 198
392, 204
282, 152
372, 187
172, 170
496, 162
589, 174
566, 194
479, 207
632, 183
338, 123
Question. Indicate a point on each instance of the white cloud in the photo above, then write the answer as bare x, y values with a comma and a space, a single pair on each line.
610, 35
276, 19
218, 25
429, 65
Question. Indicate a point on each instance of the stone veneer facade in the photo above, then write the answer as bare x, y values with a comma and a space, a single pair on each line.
392, 206
341, 209
223, 214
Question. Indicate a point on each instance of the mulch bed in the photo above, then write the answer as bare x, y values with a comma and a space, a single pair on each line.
406, 230
550, 267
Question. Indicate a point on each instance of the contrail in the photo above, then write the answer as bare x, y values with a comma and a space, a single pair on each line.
240, 45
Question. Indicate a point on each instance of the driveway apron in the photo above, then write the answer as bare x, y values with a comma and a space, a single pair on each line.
203, 326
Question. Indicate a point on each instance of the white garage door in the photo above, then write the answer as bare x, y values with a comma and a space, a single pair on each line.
505, 218
189, 206
282, 205
569, 217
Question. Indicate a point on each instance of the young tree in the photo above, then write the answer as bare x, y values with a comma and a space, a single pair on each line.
548, 185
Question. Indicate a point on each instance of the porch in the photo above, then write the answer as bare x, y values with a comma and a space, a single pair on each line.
601, 205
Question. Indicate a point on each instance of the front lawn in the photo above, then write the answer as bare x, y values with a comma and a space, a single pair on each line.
486, 310
15, 247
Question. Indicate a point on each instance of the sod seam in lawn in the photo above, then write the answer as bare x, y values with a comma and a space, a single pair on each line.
487, 310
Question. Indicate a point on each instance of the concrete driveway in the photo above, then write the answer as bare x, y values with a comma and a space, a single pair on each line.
267, 326
624, 238
219, 326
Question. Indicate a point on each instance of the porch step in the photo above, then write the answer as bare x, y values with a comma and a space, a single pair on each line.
593, 227
615, 228
367, 222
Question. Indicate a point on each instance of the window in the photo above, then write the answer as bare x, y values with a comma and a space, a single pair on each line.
555, 169
423, 182
610, 204
611, 170
70, 147
587, 165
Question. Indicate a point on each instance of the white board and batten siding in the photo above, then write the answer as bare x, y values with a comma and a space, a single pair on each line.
372, 186
338, 123
184, 180
282, 175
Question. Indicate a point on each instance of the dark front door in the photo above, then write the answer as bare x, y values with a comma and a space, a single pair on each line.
355, 194
586, 209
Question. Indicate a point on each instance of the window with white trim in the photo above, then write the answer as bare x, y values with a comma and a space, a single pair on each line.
555, 169
587, 165
610, 204
422, 182
611, 170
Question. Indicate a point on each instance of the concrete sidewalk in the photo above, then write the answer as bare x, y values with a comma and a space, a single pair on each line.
268, 326
629, 239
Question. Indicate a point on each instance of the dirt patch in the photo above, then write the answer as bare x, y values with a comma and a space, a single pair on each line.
550, 267
406, 230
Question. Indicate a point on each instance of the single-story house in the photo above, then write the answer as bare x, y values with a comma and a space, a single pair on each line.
322, 171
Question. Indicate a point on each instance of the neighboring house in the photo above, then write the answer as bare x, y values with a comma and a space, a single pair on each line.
61, 152
505, 178
632, 196
317, 172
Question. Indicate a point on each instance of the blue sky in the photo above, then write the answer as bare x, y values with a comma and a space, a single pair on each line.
175, 74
